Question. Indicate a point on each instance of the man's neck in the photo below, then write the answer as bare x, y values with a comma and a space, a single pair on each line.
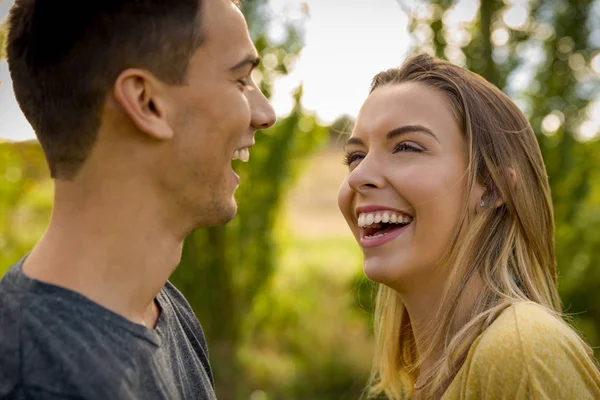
117, 252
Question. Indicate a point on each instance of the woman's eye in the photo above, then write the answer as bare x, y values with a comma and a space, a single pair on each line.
350, 158
406, 146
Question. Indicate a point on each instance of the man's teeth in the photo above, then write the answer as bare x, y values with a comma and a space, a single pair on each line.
388, 217
242, 155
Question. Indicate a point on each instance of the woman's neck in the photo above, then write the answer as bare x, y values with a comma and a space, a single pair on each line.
424, 304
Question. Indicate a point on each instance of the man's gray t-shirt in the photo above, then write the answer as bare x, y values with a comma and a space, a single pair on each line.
57, 344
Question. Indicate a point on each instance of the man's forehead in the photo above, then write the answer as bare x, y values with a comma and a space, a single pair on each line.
227, 42
222, 19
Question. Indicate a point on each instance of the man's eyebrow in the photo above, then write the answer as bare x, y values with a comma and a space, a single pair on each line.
403, 130
252, 60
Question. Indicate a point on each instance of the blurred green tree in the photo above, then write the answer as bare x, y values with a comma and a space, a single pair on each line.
25, 198
224, 268
2, 35
540, 53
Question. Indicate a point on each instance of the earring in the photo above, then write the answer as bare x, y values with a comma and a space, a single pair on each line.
482, 204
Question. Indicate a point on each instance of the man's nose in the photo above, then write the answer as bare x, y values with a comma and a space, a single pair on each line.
262, 113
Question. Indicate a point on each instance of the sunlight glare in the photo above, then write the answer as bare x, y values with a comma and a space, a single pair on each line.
457, 36
595, 63
500, 36
455, 55
552, 122
464, 11
516, 16
344, 48
593, 111
543, 31
588, 130
576, 61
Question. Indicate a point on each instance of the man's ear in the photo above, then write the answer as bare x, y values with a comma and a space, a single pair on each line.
141, 97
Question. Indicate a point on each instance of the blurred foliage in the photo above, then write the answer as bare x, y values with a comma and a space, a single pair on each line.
307, 338
25, 199
541, 56
224, 269
2, 35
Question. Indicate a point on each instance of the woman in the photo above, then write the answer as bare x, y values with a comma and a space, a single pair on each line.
448, 196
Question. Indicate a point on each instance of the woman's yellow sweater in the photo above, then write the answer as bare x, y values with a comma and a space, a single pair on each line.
527, 353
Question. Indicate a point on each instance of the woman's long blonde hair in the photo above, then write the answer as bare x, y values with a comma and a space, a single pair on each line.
511, 247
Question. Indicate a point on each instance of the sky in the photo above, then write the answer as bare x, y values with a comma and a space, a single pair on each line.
345, 47
346, 44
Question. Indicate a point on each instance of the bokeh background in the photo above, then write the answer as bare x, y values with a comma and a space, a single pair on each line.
280, 290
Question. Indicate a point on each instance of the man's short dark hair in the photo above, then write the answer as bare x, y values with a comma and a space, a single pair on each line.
65, 55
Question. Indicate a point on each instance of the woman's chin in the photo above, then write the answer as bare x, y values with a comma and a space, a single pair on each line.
392, 274
378, 272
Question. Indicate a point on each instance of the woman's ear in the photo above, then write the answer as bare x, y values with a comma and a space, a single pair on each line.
512, 176
487, 193
479, 196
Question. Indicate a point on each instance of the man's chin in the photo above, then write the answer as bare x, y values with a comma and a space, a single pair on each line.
229, 217
230, 212
220, 216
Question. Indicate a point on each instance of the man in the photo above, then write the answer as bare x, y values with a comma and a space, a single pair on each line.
140, 107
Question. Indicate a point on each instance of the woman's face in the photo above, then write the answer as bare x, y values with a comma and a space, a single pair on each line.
406, 187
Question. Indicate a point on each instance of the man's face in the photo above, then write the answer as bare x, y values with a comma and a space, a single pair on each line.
217, 112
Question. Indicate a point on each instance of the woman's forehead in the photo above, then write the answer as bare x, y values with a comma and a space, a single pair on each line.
411, 103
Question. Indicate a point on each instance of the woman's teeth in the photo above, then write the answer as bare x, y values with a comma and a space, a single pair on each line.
242, 155
387, 217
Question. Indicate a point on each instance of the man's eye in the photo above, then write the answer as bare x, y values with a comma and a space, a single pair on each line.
244, 82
